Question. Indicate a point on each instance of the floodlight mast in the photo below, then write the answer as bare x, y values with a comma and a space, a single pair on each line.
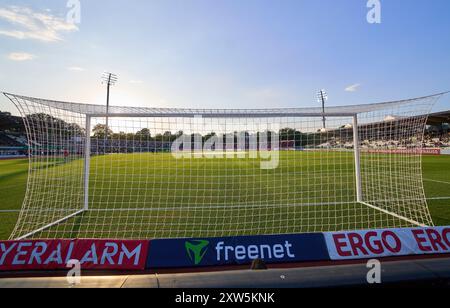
109, 79
322, 97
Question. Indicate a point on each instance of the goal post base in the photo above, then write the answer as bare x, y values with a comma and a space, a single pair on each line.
394, 214
57, 222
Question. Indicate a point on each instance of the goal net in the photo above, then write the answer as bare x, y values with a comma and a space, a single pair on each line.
136, 173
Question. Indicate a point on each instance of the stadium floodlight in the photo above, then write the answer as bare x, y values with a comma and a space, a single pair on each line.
109, 79
353, 176
322, 97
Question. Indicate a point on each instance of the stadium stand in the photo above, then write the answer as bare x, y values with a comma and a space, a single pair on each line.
437, 134
12, 134
13, 140
11, 123
7, 141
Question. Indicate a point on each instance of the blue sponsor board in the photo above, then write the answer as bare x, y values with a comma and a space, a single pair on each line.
178, 253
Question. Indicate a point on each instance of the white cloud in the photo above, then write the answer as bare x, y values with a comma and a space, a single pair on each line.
76, 69
21, 56
136, 82
28, 24
353, 87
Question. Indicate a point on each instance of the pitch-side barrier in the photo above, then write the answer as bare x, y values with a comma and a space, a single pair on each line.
203, 253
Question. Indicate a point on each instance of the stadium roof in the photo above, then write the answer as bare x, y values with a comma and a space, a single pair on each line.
439, 118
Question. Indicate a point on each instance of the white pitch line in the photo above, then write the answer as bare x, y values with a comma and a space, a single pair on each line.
439, 198
223, 207
436, 181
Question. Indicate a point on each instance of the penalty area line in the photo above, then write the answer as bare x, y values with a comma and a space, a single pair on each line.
436, 181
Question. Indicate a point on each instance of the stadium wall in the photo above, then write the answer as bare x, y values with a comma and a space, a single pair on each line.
198, 254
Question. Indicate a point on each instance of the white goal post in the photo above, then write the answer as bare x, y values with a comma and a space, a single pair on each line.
165, 173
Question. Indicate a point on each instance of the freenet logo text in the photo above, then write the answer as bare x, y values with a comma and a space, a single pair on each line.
252, 252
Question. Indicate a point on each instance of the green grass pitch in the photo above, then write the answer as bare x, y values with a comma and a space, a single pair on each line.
13, 177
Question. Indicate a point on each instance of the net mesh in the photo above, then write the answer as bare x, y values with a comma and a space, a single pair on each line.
165, 173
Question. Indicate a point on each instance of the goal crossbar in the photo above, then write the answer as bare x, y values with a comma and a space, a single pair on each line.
219, 115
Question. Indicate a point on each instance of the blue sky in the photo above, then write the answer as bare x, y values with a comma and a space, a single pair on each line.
225, 53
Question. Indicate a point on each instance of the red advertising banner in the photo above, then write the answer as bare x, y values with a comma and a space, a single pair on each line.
387, 243
424, 151
55, 254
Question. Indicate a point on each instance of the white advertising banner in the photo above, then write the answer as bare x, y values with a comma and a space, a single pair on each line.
387, 243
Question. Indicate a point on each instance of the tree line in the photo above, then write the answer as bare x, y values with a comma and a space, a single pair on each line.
100, 131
